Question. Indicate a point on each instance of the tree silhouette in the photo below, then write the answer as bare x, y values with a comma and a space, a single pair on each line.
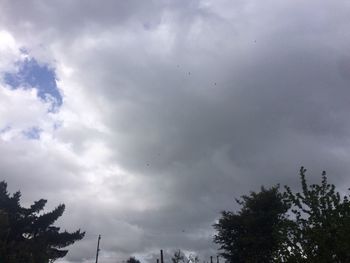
132, 260
321, 231
255, 233
317, 229
180, 257
27, 234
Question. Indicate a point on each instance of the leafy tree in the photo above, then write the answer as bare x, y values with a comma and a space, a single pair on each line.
180, 257
321, 230
132, 260
192, 258
255, 233
27, 234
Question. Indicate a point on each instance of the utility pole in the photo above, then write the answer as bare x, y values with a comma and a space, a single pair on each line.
98, 247
161, 256
217, 259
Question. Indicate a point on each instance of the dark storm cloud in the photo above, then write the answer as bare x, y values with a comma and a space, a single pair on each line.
74, 18
201, 102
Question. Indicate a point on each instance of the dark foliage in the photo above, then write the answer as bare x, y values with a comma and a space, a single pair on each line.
180, 257
321, 231
318, 229
255, 233
27, 234
133, 260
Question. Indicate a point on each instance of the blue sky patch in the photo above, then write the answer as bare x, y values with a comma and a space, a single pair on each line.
33, 133
32, 74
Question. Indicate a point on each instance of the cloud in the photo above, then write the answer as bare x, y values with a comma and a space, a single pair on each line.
171, 109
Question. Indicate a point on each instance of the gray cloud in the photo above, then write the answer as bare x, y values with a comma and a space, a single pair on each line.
173, 108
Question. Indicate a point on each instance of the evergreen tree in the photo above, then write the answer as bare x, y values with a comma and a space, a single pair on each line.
27, 234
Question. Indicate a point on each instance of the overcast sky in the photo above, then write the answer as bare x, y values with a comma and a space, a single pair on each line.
147, 118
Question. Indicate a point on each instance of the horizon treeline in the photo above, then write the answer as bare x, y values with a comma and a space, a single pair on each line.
271, 225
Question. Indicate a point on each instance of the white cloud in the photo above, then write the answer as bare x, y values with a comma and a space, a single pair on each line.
9, 51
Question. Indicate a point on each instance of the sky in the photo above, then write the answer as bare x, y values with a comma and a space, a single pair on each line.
148, 118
